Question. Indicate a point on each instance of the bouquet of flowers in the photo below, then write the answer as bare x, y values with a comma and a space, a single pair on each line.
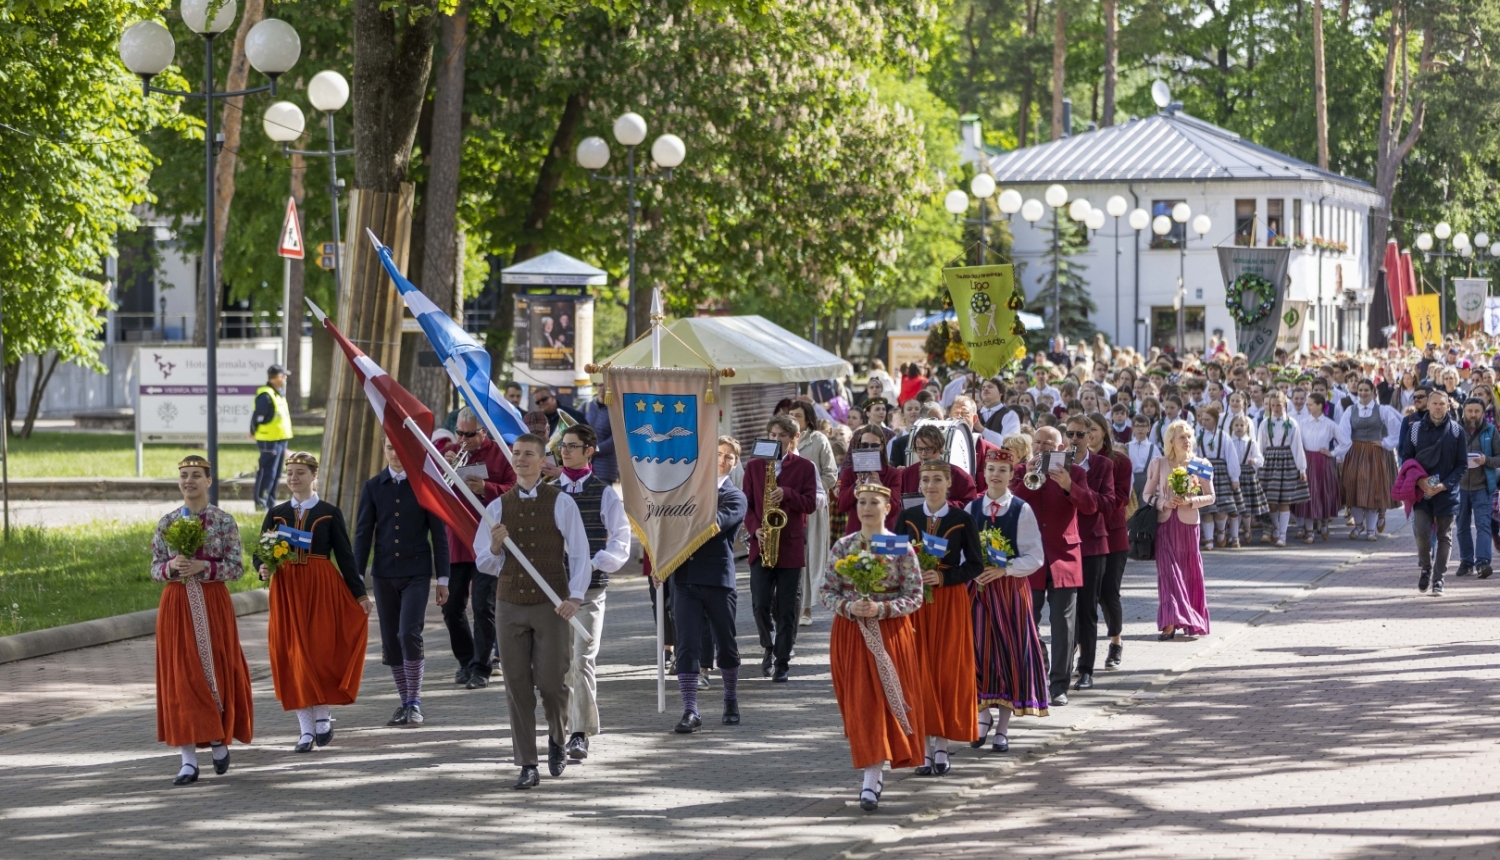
864, 569
184, 536
926, 561
997, 547
1181, 482
273, 550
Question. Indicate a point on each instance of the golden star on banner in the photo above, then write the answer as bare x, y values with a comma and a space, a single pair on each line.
640, 406
657, 406
681, 407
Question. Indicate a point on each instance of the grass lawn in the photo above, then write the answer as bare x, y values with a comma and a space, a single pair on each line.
55, 576
112, 455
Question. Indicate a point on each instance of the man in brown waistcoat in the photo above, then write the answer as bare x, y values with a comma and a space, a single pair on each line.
536, 641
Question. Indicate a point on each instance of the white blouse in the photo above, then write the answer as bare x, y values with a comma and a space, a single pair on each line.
1388, 417
1282, 433
1319, 434
1247, 452
1214, 445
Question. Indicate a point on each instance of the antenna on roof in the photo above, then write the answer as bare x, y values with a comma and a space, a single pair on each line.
1161, 93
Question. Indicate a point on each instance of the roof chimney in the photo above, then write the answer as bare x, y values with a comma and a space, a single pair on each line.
1067, 123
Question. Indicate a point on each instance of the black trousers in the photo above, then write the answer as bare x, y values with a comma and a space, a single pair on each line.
402, 604
776, 602
705, 614
1109, 591
471, 646
670, 626
1063, 603
1087, 616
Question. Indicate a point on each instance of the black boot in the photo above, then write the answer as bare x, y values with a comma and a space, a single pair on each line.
1424, 581
1116, 651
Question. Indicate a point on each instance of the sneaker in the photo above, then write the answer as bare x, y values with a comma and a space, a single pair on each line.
1437, 588
806, 619
1485, 571
1424, 581
1465, 569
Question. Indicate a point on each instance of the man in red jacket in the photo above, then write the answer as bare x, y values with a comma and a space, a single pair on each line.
1063, 496
472, 649
775, 589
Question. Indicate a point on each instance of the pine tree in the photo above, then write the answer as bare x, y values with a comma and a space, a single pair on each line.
1065, 243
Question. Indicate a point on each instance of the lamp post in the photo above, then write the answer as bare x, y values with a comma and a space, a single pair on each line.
1139, 220
283, 123
1443, 231
147, 49
667, 151
982, 186
1161, 226
1056, 197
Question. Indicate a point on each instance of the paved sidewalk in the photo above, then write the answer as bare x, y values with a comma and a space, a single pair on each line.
778, 785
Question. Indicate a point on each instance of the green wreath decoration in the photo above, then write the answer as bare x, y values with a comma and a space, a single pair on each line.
980, 303
1263, 291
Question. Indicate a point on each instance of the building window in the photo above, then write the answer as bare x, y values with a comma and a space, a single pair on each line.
1244, 222
1164, 328
1173, 239
1274, 220
1297, 219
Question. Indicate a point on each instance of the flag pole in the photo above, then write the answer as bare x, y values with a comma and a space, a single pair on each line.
661, 590
484, 516
482, 414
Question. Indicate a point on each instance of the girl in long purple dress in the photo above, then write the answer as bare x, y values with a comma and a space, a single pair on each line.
1179, 561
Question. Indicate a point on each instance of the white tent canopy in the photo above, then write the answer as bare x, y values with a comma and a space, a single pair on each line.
759, 351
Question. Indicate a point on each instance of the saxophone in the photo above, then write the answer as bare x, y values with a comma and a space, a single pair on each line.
772, 521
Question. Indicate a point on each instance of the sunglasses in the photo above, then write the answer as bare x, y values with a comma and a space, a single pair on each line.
1078, 434
467, 434
543, 399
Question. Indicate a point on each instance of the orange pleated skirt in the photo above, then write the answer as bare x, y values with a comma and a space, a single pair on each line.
945, 648
869, 724
317, 636
185, 709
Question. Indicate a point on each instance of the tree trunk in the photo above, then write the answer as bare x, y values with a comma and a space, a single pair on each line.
440, 259
12, 376
227, 161
1320, 84
1111, 60
1391, 147
38, 388
1344, 12
1059, 68
392, 59
292, 315
543, 199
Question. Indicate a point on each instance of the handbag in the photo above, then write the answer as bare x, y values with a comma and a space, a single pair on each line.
1141, 528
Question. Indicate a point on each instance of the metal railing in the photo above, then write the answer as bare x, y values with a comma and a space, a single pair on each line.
168, 328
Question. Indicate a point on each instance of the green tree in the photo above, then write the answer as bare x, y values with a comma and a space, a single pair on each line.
1065, 242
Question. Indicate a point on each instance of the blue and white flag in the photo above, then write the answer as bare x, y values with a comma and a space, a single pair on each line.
1200, 469
467, 362
998, 557
935, 545
296, 537
897, 545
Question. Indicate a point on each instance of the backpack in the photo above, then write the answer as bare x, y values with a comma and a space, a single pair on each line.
1141, 527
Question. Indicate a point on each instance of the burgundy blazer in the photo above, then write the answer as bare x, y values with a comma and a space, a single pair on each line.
798, 481
960, 492
1119, 535
1093, 528
890, 476
1057, 517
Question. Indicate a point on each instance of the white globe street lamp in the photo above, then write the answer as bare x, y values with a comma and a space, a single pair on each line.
1116, 206
1032, 210
982, 186
147, 48
1079, 209
1424, 241
1181, 213
283, 122
668, 151
630, 129
1010, 201
1443, 230
1056, 196
1201, 225
1161, 225
1460, 241
272, 47
328, 91
593, 153
1482, 239
195, 15
956, 202
1140, 219
1095, 219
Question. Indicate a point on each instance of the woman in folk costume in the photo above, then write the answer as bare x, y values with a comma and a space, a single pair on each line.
319, 624
1251, 497
1181, 601
1318, 443
1008, 657
1367, 434
1215, 445
202, 680
872, 652
945, 624
1284, 477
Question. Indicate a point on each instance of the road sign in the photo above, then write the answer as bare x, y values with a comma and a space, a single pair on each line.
291, 233
325, 252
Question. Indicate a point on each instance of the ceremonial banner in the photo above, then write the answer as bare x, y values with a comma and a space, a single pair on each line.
1293, 319
1396, 288
985, 301
665, 424
1426, 324
1468, 296
1492, 316
1255, 287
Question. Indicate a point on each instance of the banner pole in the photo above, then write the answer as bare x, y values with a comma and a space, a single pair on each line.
661, 590
484, 516
482, 414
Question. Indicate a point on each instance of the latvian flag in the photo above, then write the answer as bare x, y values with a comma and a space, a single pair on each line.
897, 545
393, 405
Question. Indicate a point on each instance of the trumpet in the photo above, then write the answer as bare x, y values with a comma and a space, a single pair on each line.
1035, 478
460, 460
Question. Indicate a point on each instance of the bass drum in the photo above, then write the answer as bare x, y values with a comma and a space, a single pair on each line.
958, 438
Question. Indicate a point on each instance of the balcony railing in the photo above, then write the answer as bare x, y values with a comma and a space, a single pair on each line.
167, 328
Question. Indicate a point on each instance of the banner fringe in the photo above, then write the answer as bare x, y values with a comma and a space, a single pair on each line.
677, 560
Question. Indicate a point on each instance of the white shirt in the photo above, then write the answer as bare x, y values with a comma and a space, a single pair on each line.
396, 476
954, 388
303, 507
616, 549
1318, 434
1009, 425
1029, 553
1247, 452
575, 542
1141, 454
1388, 417
1216, 445
1282, 433
1036, 394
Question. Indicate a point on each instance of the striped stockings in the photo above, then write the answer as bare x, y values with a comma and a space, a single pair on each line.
408, 677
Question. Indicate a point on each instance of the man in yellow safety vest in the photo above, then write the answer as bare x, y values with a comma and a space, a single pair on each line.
271, 428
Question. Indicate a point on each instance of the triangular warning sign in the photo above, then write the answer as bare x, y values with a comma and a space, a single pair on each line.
291, 232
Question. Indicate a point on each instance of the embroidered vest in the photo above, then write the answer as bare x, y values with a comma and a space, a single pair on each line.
590, 498
533, 528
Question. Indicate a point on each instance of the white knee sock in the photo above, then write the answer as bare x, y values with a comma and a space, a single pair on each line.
1372, 519
305, 720
1002, 725
1283, 519
189, 755
322, 717
1234, 528
1208, 529
873, 777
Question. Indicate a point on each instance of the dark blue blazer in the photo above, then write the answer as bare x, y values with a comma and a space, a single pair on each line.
408, 539
713, 563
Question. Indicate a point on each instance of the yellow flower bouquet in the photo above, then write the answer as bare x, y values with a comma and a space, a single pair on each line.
273, 550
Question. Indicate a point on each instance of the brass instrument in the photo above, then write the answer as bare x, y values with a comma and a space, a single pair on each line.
1034, 478
772, 521
460, 460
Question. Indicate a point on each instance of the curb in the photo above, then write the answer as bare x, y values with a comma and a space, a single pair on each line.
102, 631
122, 489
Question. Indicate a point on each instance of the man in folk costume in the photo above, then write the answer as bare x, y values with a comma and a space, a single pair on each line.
411, 546
608, 532
536, 641
472, 646
998, 419
1062, 498
202, 680
775, 584
704, 599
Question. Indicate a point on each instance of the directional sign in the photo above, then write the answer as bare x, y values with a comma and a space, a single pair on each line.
291, 233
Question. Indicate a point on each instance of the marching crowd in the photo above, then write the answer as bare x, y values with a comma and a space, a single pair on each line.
936, 519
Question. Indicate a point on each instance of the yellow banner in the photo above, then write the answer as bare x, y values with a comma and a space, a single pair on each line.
983, 302
1426, 319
